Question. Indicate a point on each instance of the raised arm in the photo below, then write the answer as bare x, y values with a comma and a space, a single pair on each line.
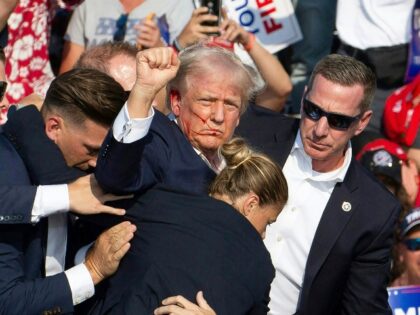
278, 84
119, 167
154, 68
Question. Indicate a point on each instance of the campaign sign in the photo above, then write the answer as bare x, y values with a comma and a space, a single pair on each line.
405, 300
413, 67
272, 21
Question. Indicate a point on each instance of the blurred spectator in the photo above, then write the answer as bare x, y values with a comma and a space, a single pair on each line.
118, 59
389, 163
27, 67
4, 104
402, 118
409, 248
142, 23
316, 20
377, 33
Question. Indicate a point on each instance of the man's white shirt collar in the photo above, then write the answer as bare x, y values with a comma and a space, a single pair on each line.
306, 164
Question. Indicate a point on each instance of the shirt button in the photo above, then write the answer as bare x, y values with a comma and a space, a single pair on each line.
279, 238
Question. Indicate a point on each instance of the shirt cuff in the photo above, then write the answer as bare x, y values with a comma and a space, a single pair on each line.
127, 130
81, 284
50, 199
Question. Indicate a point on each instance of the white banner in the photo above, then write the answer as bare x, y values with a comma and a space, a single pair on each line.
272, 21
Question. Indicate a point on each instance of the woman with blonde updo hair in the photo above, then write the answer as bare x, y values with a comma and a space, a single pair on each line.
252, 183
187, 243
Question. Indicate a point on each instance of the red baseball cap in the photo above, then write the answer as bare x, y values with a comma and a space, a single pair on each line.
383, 157
401, 118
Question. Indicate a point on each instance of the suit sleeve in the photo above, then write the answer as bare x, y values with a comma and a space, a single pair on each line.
45, 163
16, 203
365, 292
19, 295
122, 168
262, 307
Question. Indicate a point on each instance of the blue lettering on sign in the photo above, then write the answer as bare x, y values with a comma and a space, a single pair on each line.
246, 17
242, 6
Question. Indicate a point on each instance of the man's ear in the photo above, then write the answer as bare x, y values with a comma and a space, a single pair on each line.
305, 90
363, 122
251, 203
54, 127
175, 98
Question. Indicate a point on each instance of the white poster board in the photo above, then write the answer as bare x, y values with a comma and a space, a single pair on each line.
272, 21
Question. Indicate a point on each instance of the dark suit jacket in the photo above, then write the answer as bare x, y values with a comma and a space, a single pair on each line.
164, 155
22, 253
349, 261
42, 160
185, 243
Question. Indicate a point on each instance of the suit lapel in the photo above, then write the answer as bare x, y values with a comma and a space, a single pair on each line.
283, 142
338, 211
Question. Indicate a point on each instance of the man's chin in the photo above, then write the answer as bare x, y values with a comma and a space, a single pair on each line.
82, 166
316, 152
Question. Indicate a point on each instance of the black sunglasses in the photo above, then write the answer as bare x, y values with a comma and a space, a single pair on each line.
121, 25
3, 86
336, 121
412, 244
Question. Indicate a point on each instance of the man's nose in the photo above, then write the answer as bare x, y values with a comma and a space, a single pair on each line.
218, 114
321, 127
92, 162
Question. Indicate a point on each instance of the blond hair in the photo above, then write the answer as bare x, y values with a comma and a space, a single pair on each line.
246, 171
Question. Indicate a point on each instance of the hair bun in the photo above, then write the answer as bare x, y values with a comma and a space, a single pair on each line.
236, 152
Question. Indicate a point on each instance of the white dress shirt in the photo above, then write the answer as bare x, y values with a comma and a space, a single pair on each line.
289, 239
52, 201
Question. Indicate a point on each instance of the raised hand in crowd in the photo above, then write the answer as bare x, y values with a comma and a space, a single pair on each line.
178, 305
155, 67
195, 30
278, 84
86, 197
148, 34
104, 257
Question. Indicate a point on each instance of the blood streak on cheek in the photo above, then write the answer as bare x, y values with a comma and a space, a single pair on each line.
203, 120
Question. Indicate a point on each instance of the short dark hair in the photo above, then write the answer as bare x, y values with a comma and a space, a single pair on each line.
2, 55
81, 94
98, 57
346, 71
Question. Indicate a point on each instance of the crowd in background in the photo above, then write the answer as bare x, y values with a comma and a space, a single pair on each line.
58, 51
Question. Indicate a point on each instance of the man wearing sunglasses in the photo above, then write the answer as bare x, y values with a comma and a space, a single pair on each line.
331, 244
409, 249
